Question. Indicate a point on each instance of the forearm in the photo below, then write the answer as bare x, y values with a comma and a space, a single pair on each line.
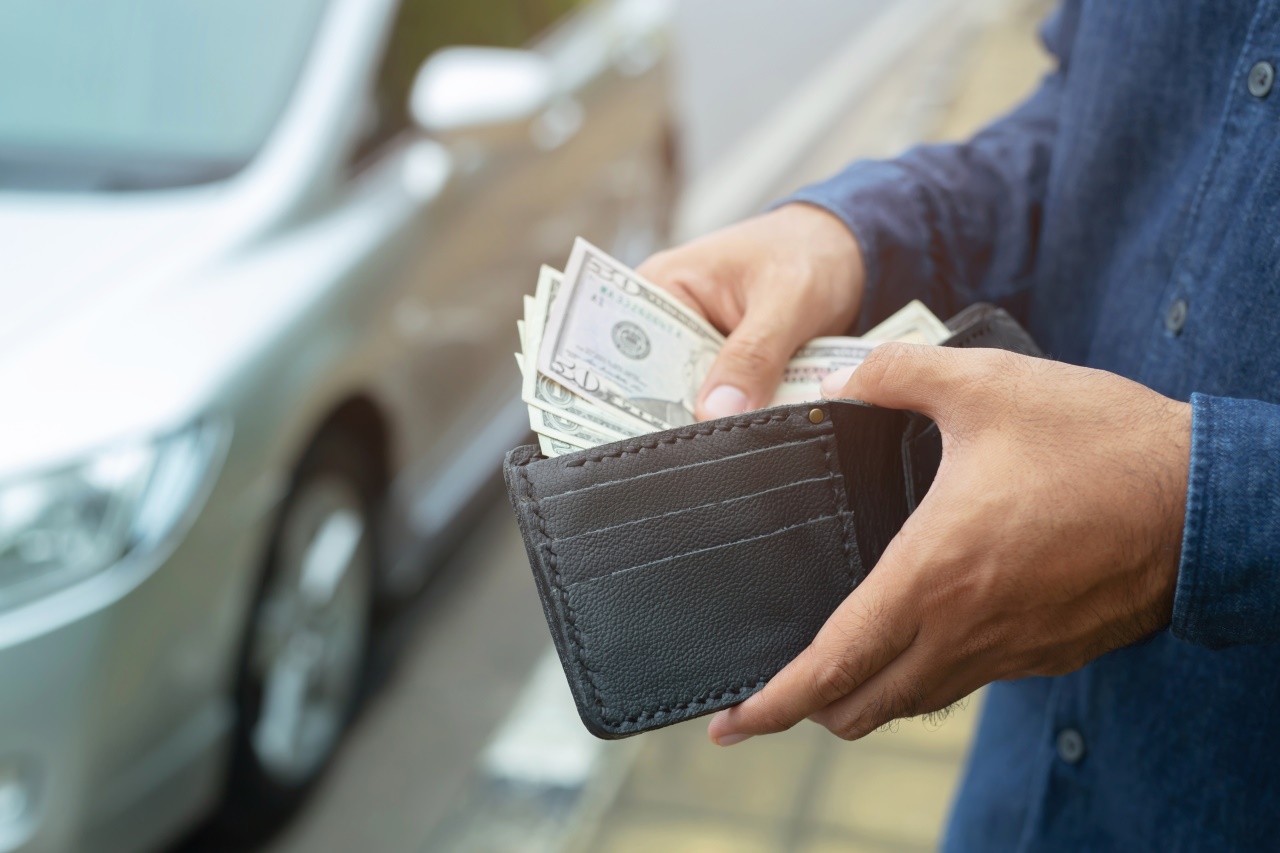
1229, 574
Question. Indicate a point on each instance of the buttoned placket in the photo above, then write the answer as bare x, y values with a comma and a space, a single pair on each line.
1173, 328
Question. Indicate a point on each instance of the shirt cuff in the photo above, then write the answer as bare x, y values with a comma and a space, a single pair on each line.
875, 199
1229, 576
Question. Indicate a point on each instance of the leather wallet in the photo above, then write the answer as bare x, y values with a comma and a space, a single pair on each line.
679, 571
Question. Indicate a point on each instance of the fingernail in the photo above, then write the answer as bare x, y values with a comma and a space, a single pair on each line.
730, 740
723, 401
836, 380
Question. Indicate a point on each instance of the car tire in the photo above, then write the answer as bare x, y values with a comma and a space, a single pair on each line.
305, 654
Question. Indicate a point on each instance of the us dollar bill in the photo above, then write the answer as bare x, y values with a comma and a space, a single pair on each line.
802, 378
625, 344
844, 350
552, 447
552, 425
569, 432
912, 324
545, 394
606, 355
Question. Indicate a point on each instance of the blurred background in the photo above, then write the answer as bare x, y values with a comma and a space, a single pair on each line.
260, 265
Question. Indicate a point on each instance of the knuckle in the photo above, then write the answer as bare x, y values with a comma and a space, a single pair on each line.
750, 352
905, 698
883, 365
982, 642
835, 677
675, 270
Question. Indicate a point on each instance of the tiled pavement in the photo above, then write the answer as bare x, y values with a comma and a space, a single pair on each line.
803, 791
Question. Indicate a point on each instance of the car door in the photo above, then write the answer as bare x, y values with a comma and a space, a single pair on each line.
475, 222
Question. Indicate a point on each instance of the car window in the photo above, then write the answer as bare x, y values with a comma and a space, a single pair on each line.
424, 26
113, 96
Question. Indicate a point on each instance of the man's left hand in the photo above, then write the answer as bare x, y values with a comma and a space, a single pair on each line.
1050, 536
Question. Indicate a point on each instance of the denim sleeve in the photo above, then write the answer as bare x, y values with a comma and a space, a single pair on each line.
1229, 576
955, 224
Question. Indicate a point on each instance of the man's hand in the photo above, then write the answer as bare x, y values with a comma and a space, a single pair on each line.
770, 283
1050, 536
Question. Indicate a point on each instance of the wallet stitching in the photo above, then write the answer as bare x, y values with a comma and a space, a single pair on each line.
674, 512
575, 634
706, 549
629, 480
713, 696
679, 437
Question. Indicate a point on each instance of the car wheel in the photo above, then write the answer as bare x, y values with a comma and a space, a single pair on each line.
307, 640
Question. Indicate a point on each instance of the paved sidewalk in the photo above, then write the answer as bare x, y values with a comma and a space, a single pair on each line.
800, 792
806, 791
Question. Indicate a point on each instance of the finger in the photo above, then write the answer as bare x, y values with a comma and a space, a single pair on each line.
908, 376
747, 371
869, 629
918, 682
659, 270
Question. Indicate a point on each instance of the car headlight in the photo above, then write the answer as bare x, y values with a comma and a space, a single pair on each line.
58, 527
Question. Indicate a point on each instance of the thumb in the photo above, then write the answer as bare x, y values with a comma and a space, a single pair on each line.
747, 371
907, 376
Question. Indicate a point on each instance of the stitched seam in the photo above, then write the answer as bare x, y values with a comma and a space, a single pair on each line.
759, 451
575, 635
713, 696
827, 441
708, 548
689, 435
675, 512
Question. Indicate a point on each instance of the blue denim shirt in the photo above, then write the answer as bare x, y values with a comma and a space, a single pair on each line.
1129, 212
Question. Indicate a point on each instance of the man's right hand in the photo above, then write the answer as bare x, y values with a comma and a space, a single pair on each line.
770, 283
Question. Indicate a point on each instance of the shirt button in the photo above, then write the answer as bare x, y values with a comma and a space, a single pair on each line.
1070, 746
1176, 317
1261, 78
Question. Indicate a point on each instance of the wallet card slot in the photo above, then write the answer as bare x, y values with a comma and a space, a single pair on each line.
871, 458
718, 622
672, 534
921, 456
681, 487
652, 564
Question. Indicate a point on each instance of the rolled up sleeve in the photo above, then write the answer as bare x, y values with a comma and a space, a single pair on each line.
1228, 590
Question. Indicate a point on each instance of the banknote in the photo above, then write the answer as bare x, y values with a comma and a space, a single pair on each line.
552, 425
546, 394
912, 324
562, 429
625, 344
802, 378
605, 355
552, 447
844, 350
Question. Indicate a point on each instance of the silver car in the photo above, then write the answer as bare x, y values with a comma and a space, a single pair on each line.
259, 270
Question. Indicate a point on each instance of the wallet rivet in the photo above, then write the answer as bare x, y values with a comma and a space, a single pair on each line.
816, 416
